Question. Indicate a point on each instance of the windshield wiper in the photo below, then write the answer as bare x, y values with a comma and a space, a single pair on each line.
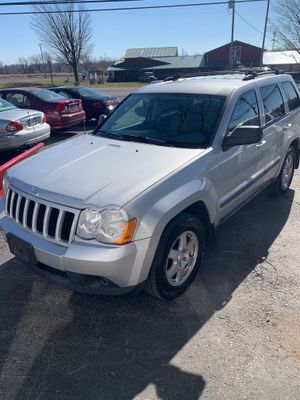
151, 140
140, 138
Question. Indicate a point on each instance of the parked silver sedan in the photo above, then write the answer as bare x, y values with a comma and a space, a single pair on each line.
19, 127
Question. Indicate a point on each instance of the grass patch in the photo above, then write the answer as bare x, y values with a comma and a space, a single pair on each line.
17, 82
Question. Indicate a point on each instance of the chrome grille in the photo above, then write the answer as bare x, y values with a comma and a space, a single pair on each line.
56, 223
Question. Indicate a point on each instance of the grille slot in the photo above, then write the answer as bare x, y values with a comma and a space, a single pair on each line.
40, 218
56, 224
30, 214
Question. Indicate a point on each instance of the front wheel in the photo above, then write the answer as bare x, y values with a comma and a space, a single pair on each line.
284, 179
177, 258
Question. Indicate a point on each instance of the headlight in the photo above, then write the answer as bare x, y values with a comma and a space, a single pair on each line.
5, 184
108, 226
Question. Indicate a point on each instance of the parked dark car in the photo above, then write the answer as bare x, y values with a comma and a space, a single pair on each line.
95, 103
60, 112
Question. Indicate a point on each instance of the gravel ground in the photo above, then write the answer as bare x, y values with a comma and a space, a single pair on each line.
235, 334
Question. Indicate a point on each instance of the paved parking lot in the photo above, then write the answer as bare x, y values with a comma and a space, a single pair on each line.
233, 335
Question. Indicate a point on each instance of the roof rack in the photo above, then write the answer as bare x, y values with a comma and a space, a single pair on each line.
250, 73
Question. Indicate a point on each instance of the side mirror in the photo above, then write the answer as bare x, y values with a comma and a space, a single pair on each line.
101, 119
243, 135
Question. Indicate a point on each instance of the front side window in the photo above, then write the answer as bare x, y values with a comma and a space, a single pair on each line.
176, 119
245, 112
291, 94
272, 102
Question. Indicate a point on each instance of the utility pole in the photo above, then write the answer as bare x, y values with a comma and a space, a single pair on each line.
50, 69
273, 40
42, 57
231, 5
264, 37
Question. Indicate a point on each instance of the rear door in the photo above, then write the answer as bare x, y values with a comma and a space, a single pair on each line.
269, 150
292, 120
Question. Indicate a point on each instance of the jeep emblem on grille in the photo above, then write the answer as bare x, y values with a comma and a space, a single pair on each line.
35, 191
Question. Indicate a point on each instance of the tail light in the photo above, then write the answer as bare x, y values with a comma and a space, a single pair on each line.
44, 120
62, 107
14, 126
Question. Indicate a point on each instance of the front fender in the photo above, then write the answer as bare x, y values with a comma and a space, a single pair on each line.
155, 208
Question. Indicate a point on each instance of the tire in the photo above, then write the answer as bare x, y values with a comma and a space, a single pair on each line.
173, 272
282, 183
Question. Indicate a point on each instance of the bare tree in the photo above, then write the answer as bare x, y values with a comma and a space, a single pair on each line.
288, 28
37, 63
24, 65
66, 33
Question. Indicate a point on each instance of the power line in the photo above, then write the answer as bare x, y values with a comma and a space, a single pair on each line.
248, 23
125, 8
254, 27
48, 2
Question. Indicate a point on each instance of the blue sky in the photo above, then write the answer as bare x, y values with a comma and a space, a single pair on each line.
195, 29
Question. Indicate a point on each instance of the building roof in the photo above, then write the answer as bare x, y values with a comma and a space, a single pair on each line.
151, 52
235, 43
281, 57
112, 68
178, 62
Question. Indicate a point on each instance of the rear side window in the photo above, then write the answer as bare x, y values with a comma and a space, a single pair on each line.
291, 94
272, 102
245, 112
18, 99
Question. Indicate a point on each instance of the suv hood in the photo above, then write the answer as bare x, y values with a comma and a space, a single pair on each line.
96, 171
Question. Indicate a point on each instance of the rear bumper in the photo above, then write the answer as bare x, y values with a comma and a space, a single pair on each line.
22, 138
58, 121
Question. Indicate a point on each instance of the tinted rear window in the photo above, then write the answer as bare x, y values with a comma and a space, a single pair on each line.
5, 105
47, 95
272, 102
291, 94
86, 92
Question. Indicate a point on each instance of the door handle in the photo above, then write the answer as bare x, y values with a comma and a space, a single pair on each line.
260, 144
286, 127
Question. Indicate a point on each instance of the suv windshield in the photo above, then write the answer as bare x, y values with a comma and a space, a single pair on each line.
5, 105
176, 119
47, 95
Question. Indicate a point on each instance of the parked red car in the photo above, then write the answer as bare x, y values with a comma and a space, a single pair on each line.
60, 112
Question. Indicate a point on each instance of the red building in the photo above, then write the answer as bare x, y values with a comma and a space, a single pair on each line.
165, 61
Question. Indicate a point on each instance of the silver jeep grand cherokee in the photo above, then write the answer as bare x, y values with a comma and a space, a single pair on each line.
130, 206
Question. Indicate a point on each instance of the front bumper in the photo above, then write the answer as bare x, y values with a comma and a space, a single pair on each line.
84, 264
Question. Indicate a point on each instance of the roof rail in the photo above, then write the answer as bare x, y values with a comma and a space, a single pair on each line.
253, 73
250, 73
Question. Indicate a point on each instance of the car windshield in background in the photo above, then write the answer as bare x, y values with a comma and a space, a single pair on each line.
86, 92
171, 119
47, 95
5, 105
